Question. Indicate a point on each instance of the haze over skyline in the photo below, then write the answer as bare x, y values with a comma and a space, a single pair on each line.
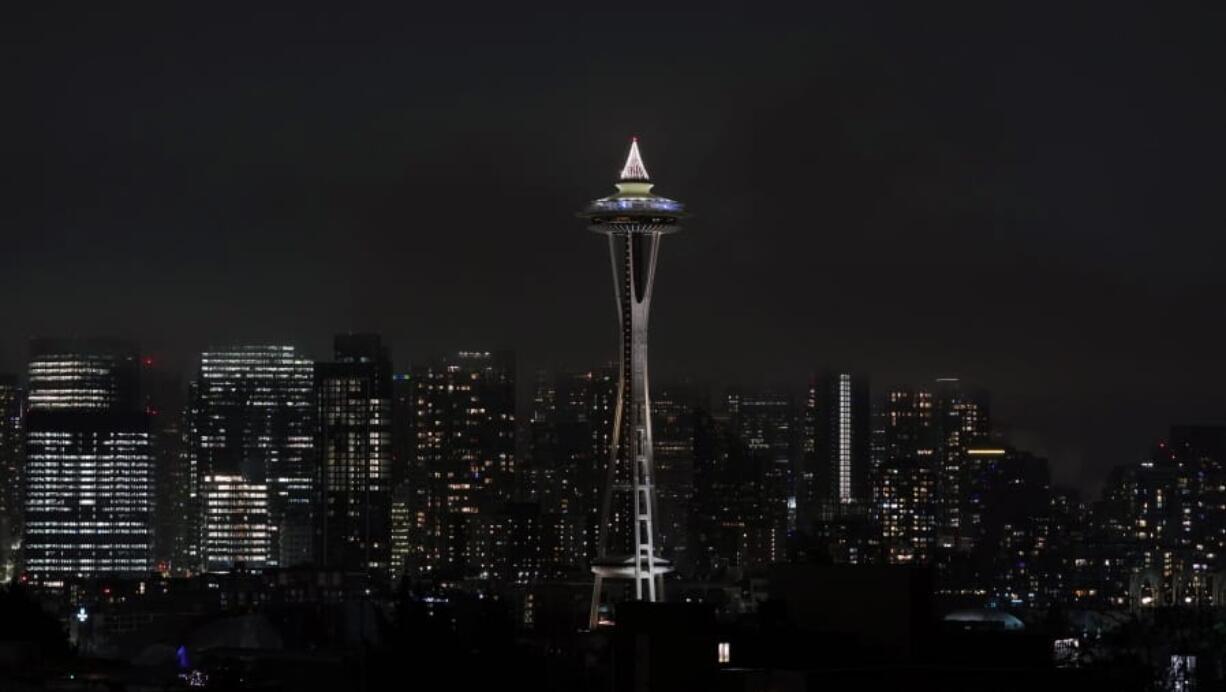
967, 190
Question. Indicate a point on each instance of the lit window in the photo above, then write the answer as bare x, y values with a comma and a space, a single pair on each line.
725, 652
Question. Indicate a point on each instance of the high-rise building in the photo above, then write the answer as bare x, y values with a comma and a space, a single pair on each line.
237, 534
925, 476
354, 396
1011, 524
726, 498
906, 479
634, 220
558, 452
1112, 549
836, 474
463, 461
404, 435
12, 463
1164, 521
565, 442
88, 491
252, 415
163, 394
1066, 565
672, 414
403, 526
587, 404
83, 375
765, 427
962, 420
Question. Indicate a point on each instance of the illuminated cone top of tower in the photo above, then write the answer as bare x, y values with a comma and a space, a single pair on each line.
634, 208
634, 170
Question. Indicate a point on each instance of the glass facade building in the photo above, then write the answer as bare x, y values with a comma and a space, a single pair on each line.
88, 486
237, 536
354, 396
252, 415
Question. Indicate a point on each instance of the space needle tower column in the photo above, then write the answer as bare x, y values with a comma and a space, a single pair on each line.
634, 219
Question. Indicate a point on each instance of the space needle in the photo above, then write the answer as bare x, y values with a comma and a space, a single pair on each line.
634, 219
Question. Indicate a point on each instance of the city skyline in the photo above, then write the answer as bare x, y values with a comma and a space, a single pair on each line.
310, 380
1090, 483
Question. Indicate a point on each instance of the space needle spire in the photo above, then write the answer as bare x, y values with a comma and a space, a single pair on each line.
634, 168
634, 219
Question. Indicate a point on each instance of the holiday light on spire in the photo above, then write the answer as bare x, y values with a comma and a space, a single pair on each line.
634, 168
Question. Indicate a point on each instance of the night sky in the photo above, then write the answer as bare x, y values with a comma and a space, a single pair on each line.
1030, 198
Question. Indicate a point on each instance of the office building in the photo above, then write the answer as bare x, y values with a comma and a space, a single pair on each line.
88, 491
252, 415
354, 398
237, 534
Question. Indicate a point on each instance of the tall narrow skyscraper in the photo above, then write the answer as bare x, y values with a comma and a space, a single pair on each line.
163, 394
88, 474
12, 463
962, 420
402, 528
835, 475
906, 480
634, 219
354, 395
589, 400
673, 421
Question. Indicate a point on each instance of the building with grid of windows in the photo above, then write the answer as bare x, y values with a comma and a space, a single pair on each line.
237, 536
962, 420
906, 482
400, 531
88, 486
835, 476
354, 399
252, 415
463, 461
